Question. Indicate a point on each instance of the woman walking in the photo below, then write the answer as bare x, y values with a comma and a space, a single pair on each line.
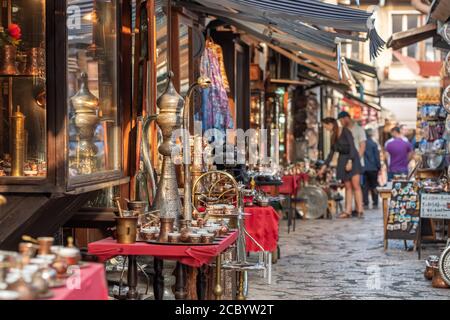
348, 167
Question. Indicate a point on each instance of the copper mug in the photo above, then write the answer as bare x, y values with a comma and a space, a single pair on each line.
126, 230
45, 245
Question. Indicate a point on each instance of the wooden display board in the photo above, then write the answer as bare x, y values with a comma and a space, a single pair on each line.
403, 219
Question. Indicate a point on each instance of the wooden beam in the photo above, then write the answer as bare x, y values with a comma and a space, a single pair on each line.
405, 38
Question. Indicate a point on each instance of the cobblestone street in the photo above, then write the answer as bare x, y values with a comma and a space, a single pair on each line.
344, 259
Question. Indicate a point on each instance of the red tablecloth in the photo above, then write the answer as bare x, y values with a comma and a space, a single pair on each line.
194, 256
262, 224
88, 283
289, 185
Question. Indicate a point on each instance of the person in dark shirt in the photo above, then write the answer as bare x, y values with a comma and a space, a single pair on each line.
348, 165
372, 166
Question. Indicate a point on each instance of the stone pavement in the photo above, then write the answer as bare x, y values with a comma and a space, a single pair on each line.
345, 259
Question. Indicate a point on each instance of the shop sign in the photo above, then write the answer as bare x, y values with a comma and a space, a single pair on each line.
435, 206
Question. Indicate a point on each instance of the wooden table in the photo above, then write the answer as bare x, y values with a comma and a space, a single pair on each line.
185, 255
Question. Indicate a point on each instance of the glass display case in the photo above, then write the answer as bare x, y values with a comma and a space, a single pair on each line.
23, 104
92, 74
61, 111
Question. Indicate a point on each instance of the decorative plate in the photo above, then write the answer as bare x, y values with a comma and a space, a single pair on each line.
446, 99
444, 265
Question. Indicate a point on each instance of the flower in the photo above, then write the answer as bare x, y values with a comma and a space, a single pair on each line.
14, 31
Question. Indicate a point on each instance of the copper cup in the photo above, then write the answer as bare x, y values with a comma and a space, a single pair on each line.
126, 230
71, 256
194, 238
174, 237
45, 245
165, 228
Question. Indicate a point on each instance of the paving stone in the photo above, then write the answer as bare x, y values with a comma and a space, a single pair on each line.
345, 260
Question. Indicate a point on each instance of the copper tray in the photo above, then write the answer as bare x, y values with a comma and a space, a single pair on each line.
216, 241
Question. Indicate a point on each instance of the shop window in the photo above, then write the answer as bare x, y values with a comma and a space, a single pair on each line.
23, 150
402, 22
92, 87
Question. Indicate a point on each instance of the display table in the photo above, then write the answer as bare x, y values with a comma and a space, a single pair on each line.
262, 224
185, 255
194, 256
88, 283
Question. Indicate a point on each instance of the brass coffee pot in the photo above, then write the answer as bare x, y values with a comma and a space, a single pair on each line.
86, 117
169, 119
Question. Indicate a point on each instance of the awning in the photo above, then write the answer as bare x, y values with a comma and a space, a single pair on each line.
300, 18
360, 102
405, 38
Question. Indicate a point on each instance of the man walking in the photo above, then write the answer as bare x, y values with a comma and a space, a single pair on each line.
372, 166
400, 152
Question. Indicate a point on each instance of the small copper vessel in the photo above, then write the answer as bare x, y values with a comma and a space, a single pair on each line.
165, 228
438, 281
138, 206
194, 238
207, 238
174, 237
126, 230
45, 245
431, 261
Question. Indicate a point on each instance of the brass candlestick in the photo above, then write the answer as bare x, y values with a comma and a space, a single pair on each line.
17, 143
202, 82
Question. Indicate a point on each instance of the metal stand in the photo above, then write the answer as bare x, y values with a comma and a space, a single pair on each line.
158, 279
218, 290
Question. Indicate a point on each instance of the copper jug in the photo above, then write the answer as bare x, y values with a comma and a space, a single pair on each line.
438, 281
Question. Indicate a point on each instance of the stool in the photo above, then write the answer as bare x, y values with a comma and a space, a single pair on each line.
288, 210
302, 203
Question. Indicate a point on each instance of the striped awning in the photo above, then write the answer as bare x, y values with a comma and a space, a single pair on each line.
302, 19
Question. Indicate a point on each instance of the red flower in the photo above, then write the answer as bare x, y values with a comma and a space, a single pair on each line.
14, 31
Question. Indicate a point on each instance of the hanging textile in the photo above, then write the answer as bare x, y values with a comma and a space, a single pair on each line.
215, 107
